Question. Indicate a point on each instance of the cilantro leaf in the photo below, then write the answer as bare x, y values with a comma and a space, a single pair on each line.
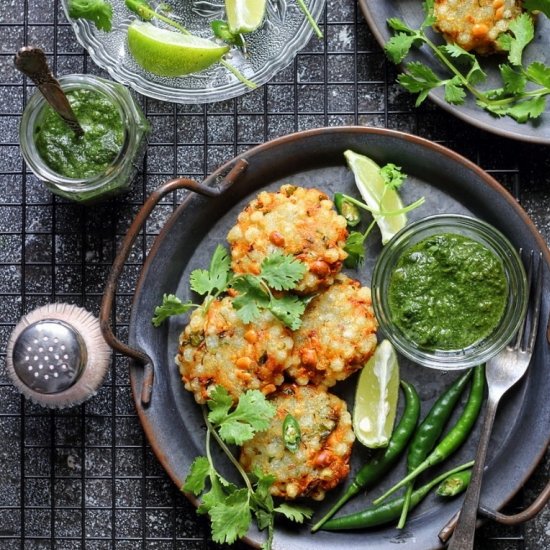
253, 413
457, 52
197, 476
294, 512
529, 108
523, 30
454, 91
231, 518
171, 305
263, 519
216, 494
399, 25
419, 79
398, 46
219, 403
514, 82
97, 11
217, 276
429, 20
538, 5
288, 309
539, 73
475, 73
355, 248
247, 309
263, 483
251, 299
281, 271
393, 176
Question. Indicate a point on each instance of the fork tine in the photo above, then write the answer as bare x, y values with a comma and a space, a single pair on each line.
521, 330
536, 310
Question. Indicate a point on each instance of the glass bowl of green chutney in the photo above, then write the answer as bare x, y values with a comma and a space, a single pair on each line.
449, 291
98, 164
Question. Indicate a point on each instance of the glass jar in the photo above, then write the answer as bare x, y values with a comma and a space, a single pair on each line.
118, 176
516, 292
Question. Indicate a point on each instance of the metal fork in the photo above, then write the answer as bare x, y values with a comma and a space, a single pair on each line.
502, 372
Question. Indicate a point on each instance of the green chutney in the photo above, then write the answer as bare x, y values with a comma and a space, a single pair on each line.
447, 292
91, 154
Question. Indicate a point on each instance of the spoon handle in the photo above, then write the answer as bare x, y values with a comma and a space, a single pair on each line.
32, 62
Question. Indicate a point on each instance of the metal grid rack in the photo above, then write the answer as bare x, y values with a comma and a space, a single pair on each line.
85, 477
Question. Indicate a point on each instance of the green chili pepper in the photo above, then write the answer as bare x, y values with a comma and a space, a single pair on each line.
456, 436
347, 209
429, 431
292, 435
455, 484
372, 471
378, 515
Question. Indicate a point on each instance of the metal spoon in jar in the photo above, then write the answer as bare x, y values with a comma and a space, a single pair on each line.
32, 62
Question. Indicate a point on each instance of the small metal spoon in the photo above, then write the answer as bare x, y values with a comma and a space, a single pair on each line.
32, 62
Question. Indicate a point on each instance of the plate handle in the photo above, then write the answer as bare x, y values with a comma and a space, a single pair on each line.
124, 251
529, 513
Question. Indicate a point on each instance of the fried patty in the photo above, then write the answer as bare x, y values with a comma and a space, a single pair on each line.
321, 460
297, 221
337, 335
216, 347
475, 24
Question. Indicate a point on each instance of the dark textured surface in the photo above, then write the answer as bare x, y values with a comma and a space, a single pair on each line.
85, 477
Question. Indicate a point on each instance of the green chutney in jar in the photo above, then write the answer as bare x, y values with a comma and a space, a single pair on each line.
447, 292
88, 155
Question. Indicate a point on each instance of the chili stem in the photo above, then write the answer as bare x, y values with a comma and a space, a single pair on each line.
406, 506
378, 515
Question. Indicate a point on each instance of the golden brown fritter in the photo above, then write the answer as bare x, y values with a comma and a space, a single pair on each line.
297, 221
337, 335
321, 460
475, 24
216, 347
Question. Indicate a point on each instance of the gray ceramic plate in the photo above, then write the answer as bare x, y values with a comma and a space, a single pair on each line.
173, 421
377, 13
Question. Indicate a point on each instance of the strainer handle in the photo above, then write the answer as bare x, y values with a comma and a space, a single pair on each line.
124, 251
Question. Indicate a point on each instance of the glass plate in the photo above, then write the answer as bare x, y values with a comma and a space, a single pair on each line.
271, 48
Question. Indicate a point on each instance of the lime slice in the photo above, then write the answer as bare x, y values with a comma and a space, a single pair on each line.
244, 15
371, 186
169, 53
376, 398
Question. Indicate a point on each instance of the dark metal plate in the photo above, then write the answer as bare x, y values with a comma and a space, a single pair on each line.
173, 422
377, 13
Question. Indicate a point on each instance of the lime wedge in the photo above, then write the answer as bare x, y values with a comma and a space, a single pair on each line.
244, 15
169, 53
376, 398
371, 186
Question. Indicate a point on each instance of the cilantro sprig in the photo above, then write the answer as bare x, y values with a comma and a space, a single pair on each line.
232, 509
279, 272
523, 93
393, 178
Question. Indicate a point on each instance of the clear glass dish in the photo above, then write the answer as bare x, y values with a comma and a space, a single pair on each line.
118, 176
516, 302
271, 48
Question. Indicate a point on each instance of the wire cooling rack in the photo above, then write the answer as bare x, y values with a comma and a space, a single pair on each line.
85, 477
